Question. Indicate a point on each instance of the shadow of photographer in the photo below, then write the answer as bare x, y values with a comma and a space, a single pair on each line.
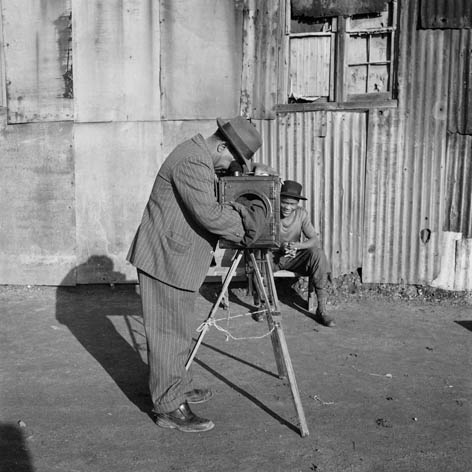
87, 311
14, 453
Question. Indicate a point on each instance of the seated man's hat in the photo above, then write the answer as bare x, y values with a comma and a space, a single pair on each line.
292, 189
243, 137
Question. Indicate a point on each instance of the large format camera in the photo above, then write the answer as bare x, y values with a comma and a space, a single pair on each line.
266, 189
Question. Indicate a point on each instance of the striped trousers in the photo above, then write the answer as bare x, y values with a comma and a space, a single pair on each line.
169, 339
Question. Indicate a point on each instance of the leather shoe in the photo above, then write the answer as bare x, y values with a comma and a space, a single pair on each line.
259, 317
325, 319
198, 395
184, 419
258, 314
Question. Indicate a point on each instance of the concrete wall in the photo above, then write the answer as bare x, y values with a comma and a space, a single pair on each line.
76, 171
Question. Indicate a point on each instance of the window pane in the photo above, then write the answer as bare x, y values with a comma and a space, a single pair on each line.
380, 48
310, 25
371, 21
357, 79
378, 79
357, 50
309, 66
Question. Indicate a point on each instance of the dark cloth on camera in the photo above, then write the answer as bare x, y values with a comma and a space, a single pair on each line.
254, 217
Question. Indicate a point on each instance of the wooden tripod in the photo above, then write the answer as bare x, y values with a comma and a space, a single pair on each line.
266, 290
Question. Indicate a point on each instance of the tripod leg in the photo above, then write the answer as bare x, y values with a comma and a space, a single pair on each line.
222, 294
263, 295
282, 351
291, 378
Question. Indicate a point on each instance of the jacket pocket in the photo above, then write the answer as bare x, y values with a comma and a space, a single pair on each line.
177, 243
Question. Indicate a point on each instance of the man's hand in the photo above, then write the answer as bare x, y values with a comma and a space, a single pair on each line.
289, 250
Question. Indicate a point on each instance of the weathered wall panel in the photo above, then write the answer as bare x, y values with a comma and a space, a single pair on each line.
458, 208
309, 59
36, 38
260, 58
116, 60
460, 81
3, 85
37, 223
326, 152
201, 55
174, 132
115, 168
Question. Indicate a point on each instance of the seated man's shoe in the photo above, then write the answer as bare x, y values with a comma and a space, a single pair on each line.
325, 319
184, 420
198, 395
259, 313
259, 317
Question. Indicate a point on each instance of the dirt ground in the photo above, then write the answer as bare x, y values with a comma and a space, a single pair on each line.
389, 389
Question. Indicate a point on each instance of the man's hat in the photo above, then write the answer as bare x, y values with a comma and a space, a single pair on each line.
292, 189
243, 137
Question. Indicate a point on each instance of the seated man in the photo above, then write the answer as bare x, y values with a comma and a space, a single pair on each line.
302, 257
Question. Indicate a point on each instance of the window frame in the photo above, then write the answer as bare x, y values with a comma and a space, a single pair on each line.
338, 98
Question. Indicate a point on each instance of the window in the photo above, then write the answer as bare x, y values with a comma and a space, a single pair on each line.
339, 52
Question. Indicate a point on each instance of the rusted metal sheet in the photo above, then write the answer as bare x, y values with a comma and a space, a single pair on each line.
446, 14
116, 60
37, 201
460, 86
37, 43
201, 55
111, 194
325, 152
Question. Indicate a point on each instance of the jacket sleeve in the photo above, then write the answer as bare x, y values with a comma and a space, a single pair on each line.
194, 181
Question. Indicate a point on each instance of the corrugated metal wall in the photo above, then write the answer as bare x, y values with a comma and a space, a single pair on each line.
409, 152
446, 14
384, 187
325, 151
460, 80
459, 186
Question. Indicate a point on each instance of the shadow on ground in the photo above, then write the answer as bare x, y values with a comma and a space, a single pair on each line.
90, 322
14, 453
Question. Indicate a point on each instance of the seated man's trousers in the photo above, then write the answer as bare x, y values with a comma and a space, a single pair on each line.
309, 262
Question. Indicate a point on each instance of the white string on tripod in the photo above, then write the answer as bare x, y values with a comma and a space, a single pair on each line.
213, 322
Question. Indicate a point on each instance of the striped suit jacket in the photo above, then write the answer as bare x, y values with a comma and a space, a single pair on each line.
182, 220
